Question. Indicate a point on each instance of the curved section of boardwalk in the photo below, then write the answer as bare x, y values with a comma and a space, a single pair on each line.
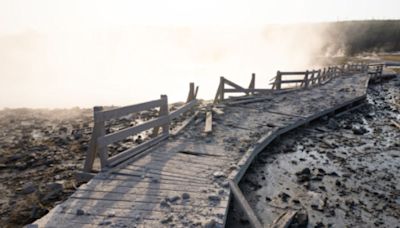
183, 181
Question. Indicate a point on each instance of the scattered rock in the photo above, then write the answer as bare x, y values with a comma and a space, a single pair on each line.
284, 197
304, 175
80, 212
173, 199
333, 124
185, 196
167, 219
359, 130
218, 174
28, 188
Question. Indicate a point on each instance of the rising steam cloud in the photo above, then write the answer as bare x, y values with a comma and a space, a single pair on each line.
128, 65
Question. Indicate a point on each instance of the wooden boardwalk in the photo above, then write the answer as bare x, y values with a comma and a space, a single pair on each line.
183, 181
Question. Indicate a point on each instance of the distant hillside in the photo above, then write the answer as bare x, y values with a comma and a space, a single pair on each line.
354, 37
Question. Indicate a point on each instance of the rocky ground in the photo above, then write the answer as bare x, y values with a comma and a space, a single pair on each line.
338, 172
40, 150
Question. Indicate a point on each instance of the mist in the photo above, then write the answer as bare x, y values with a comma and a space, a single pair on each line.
121, 66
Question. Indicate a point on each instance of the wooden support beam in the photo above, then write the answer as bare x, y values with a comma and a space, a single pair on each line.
244, 205
208, 125
284, 220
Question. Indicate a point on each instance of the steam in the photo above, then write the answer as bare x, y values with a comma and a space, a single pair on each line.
128, 65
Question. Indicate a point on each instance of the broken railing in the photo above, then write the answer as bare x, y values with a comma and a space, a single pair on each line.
100, 140
222, 90
300, 80
310, 78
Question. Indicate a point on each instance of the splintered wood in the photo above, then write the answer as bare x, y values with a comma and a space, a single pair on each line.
208, 127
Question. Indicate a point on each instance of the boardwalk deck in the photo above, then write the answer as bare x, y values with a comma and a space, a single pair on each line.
184, 180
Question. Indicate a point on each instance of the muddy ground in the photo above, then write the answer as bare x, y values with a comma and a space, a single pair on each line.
338, 172
40, 151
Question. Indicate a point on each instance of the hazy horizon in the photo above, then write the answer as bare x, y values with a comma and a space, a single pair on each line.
57, 54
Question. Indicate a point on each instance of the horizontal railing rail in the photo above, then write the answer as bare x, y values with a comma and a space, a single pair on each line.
309, 78
100, 140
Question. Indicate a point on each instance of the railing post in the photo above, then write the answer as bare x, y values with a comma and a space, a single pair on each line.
306, 80
278, 80
319, 77
100, 132
219, 96
92, 150
312, 77
164, 112
196, 91
252, 83
191, 92
222, 95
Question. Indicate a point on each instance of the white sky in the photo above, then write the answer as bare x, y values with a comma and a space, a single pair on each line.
85, 53
55, 14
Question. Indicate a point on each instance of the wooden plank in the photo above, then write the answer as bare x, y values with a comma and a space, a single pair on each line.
145, 187
234, 85
149, 211
291, 81
247, 90
284, 220
119, 135
162, 183
128, 173
153, 198
395, 124
208, 125
153, 181
148, 199
183, 109
249, 101
244, 205
174, 169
293, 72
118, 158
190, 162
153, 172
123, 111
184, 124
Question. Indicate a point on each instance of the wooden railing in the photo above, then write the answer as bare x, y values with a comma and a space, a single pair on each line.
235, 88
100, 140
314, 77
286, 80
375, 70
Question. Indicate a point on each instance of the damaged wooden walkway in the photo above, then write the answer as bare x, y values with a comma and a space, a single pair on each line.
184, 181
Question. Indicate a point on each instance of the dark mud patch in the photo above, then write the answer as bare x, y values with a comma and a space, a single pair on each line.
344, 172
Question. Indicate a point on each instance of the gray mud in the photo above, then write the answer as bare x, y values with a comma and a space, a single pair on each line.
40, 150
341, 172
